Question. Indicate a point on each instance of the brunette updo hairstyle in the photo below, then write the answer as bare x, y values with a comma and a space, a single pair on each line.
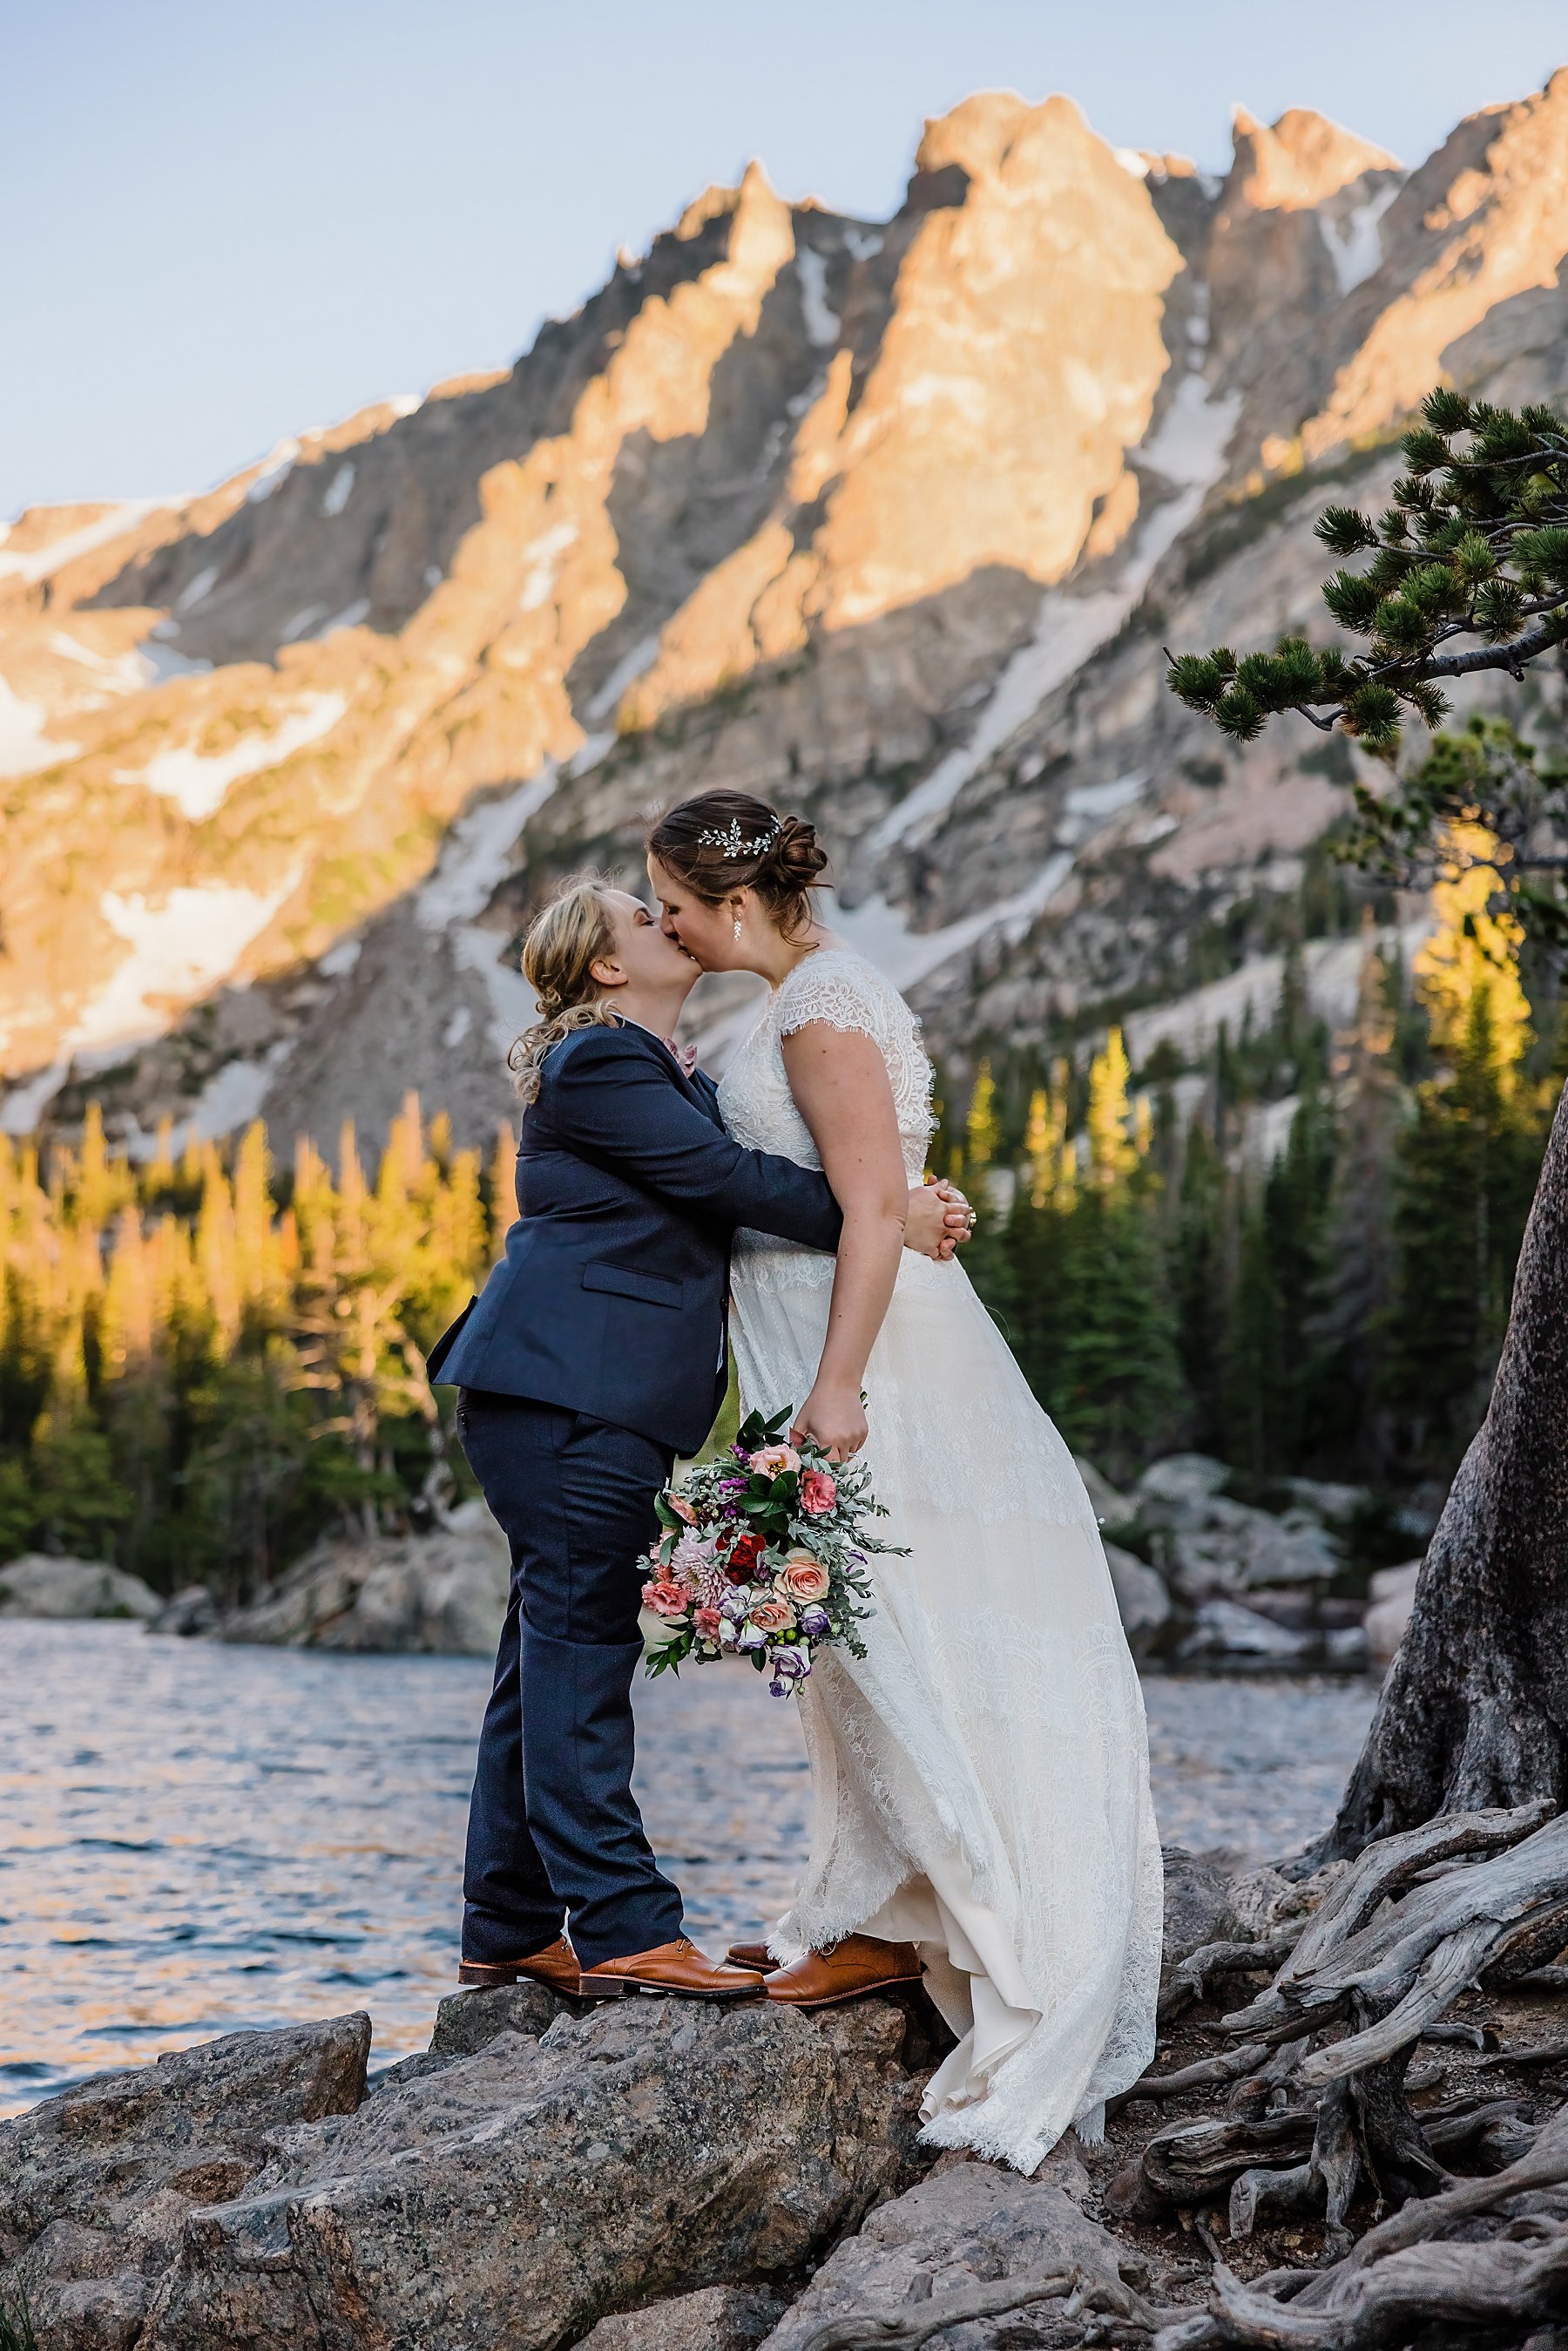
720, 841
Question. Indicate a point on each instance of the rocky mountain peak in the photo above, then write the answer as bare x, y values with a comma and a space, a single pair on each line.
1474, 244
1299, 161
886, 520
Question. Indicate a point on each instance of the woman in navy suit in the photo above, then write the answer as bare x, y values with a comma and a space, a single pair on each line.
595, 1354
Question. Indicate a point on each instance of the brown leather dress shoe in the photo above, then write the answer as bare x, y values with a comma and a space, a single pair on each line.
555, 1965
755, 1956
847, 1970
679, 1968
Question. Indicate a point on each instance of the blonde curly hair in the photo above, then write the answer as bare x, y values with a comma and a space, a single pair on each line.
565, 940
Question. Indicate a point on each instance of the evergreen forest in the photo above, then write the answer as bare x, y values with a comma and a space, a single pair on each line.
1296, 1255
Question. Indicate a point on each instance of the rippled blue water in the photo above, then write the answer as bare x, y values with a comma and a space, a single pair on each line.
194, 1839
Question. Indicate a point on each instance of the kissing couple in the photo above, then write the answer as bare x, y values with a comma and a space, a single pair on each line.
982, 1810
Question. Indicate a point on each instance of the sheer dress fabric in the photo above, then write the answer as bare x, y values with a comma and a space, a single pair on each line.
981, 1778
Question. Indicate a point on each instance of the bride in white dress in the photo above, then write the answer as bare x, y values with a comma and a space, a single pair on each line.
980, 1776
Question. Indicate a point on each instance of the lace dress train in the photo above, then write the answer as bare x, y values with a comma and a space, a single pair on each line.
981, 1777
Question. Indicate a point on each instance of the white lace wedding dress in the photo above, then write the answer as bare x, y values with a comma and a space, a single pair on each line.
982, 1776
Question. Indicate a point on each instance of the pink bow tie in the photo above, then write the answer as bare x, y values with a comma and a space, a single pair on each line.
685, 1054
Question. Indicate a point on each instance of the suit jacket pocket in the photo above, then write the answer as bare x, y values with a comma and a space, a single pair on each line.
625, 1282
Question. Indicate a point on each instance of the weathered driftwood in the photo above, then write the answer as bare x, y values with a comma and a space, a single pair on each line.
1256, 2195
1544, 2053
905, 2329
1481, 2285
1194, 2163
1440, 1979
1540, 1935
1386, 1869
1190, 1977
1401, 2273
1397, 2152
1411, 1959
1207, 2073
1257, 2090
1552, 1980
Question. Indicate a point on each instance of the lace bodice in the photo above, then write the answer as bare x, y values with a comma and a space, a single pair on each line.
847, 992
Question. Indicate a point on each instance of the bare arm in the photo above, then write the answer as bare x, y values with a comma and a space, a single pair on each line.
840, 1084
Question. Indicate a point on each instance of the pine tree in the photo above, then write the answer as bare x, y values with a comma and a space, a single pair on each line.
1199, 1278
1465, 1166
1349, 1324
1296, 1225
1252, 1373
1119, 1380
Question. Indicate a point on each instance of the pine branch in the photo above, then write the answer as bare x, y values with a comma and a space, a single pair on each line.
1475, 544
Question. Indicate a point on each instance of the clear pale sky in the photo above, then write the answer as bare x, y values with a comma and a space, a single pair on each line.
223, 222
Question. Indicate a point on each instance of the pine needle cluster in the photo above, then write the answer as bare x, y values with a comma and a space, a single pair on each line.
1474, 546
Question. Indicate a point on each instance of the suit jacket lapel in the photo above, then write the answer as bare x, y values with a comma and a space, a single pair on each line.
699, 1085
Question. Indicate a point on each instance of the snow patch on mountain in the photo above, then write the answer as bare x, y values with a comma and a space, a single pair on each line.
339, 489
821, 323
1355, 246
200, 783
43, 560
1189, 451
23, 745
277, 467
881, 933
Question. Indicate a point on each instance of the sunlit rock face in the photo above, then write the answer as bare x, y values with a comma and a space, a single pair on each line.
887, 521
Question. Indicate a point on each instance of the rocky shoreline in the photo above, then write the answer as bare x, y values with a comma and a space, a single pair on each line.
1204, 1583
650, 2175
662, 2176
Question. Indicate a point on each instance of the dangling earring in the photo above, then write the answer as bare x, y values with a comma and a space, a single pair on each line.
737, 926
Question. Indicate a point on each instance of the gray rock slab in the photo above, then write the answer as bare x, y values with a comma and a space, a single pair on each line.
192, 1612
37, 1585
719, 2318
1197, 1906
1142, 1600
1238, 1548
97, 2185
441, 1593
1111, 1507
1225, 1628
1178, 1490
966, 2222
1326, 1498
1393, 1593
643, 2150
466, 2021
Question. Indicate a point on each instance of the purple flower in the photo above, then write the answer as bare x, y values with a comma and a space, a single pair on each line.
815, 1622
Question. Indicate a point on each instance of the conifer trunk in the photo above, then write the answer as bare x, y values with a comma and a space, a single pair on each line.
1475, 1708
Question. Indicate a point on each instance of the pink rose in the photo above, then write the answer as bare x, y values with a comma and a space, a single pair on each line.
681, 1508
665, 1599
708, 1621
805, 1578
775, 1460
771, 1617
818, 1493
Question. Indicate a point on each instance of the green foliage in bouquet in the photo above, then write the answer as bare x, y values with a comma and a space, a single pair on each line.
763, 1552
1474, 546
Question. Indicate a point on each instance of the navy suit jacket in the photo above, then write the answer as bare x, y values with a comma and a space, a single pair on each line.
610, 1297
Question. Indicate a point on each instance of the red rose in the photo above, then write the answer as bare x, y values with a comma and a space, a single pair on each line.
745, 1553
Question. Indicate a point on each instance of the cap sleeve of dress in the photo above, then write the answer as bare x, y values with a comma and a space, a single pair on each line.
836, 988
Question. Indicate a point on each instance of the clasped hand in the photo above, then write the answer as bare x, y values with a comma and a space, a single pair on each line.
939, 1219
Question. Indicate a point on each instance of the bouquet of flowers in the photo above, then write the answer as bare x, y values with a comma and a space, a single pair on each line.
764, 1553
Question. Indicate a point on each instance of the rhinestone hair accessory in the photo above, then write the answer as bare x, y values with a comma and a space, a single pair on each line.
732, 845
